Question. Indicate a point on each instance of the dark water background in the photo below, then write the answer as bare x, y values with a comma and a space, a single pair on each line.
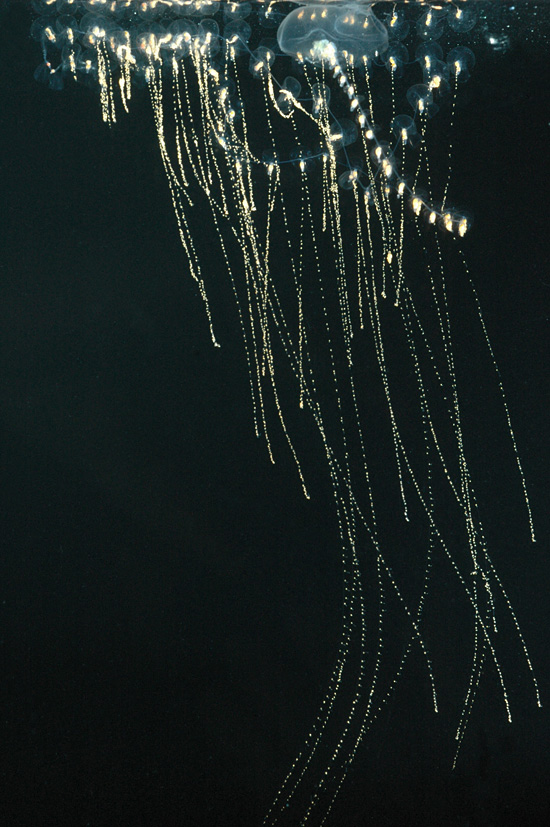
167, 607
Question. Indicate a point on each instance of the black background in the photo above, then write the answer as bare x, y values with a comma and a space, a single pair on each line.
167, 606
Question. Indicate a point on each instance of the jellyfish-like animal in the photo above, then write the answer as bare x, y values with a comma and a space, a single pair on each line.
321, 160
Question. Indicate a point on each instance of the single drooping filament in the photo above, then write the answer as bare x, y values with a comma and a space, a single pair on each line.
317, 164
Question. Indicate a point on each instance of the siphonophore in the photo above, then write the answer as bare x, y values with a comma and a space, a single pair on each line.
315, 141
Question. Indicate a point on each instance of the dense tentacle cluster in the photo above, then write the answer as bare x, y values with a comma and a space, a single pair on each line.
313, 160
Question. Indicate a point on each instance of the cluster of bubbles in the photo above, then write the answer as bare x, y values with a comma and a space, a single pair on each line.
101, 37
